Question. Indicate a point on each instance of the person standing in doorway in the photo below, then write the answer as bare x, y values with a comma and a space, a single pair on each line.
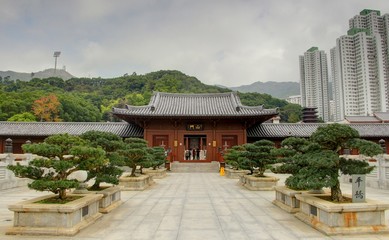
187, 154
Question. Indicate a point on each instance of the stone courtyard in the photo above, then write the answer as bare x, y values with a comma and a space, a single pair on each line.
186, 206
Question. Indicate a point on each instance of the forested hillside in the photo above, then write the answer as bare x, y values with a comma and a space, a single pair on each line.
91, 99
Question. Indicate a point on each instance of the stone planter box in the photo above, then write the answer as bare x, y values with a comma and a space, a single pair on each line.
137, 183
111, 198
235, 174
258, 183
31, 218
157, 173
342, 218
286, 199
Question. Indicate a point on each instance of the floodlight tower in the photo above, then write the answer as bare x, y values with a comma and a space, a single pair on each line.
56, 55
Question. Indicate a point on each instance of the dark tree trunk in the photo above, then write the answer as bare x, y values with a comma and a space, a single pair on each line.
133, 169
62, 194
336, 193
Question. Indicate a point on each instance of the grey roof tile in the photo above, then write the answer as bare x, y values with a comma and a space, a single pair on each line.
283, 130
199, 105
362, 119
383, 116
74, 128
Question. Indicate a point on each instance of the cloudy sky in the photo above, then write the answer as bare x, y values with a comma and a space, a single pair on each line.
227, 42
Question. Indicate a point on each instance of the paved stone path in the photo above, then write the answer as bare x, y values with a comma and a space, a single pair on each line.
190, 206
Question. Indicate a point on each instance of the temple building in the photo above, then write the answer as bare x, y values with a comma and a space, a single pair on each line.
195, 127
191, 127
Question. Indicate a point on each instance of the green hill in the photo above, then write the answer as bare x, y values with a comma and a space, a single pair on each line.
91, 99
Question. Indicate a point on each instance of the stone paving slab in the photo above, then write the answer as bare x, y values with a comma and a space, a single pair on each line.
191, 206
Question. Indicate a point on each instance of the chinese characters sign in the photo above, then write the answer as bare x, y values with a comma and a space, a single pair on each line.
359, 187
194, 127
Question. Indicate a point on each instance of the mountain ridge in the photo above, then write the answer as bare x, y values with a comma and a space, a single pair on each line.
280, 90
12, 75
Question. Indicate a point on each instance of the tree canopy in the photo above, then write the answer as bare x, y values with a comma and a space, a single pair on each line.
316, 163
91, 99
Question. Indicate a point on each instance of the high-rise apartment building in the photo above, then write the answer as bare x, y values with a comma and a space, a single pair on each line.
314, 82
359, 66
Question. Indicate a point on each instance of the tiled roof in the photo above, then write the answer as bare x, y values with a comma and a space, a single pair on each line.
74, 128
264, 130
282, 130
194, 105
383, 116
362, 119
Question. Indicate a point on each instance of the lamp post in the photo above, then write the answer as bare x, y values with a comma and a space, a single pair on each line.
383, 145
8, 146
56, 55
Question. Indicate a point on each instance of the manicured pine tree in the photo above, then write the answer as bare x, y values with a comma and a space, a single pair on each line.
258, 155
156, 159
104, 169
319, 164
231, 157
134, 153
59, 157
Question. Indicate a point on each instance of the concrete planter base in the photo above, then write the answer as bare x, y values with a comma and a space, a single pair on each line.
31, 218
138, 183
111, 199
342, 218
157, 173
258, 183
286, 199
235, 174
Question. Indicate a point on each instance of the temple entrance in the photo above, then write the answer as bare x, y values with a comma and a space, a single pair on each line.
195, 147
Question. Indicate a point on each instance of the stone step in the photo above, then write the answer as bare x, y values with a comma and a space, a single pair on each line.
195, 167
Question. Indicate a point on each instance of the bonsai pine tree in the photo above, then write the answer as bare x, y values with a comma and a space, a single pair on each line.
50, 171
157, 157
231, 157
104, 168
134, 153
258, 155
321, 166
291, 155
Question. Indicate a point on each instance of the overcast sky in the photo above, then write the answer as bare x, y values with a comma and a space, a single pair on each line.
227, 42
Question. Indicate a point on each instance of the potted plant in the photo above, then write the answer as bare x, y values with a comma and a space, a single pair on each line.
156, 160
257, 157
61, 213
231, 158
135, 154
322, 166
104, 169
290, 156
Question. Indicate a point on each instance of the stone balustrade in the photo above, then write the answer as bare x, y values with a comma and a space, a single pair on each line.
7, 178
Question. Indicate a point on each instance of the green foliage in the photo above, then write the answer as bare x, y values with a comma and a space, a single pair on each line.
231, 157
288, 112
22, 117
251, 156
134, 153
104, 167
77, 109
315, 163
91, 99
50, 172
157, 157
334, 136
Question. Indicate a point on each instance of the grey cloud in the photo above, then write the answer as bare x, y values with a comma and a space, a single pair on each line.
229, 42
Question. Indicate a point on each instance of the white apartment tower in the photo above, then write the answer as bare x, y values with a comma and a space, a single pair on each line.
359, 66
314, 81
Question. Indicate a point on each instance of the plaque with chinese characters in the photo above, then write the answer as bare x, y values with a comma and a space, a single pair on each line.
359, 187
194, 127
